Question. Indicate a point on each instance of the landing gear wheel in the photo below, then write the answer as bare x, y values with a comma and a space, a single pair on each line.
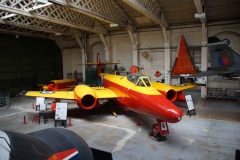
157, 137
157, 132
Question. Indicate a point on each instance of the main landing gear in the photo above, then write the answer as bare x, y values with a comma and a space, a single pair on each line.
159, 130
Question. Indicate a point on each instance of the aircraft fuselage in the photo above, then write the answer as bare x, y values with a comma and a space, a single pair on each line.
142, 99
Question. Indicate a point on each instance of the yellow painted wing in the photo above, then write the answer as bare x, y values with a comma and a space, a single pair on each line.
50, 94
97, 63
104, 93
166, 87
181, 88
63, 81
101, 93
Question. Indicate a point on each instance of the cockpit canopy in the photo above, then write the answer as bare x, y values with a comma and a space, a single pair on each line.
139, 80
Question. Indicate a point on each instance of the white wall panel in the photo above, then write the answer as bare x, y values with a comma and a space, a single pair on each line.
151, 58
151, 39
192, 36
122, 50
94, 49
151, 61
71, 59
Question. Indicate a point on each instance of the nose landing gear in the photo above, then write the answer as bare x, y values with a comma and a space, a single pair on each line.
159, 130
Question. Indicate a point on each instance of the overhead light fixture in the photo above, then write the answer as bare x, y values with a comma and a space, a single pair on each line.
40, 1
200, 15
114, 25
58, 34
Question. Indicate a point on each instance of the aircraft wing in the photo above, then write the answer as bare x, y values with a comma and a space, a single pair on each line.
210, 73
181, 88
166, 87
50, 94
105, 93
101, 93
98, 63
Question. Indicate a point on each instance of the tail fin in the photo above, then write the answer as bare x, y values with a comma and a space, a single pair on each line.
221, 55
183, 63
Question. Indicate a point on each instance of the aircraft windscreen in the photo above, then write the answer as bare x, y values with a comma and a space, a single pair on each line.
146, 81
139, 80
140, 83
133, 78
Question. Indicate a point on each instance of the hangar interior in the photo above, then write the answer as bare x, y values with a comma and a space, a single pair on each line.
44, 40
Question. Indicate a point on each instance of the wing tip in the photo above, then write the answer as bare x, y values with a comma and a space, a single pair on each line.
30, 93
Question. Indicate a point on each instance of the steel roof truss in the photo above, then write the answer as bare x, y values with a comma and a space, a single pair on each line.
104, 10
51, 13
149, 8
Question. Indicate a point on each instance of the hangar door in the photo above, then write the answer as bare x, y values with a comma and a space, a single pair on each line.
26, 62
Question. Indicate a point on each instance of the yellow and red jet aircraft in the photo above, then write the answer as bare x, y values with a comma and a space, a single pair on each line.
135, 92
60, 85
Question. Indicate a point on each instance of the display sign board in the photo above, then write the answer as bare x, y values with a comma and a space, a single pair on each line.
41, 102
189, 102
61, 111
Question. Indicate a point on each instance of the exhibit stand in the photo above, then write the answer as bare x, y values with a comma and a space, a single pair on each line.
61, 114
41, 107
191, 110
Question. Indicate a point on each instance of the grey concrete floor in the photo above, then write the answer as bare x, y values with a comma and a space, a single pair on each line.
208, 135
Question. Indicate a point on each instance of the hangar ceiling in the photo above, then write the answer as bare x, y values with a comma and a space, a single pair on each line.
67, 17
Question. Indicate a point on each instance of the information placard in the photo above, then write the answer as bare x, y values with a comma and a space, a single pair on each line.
41, 102
189, 102
61, 111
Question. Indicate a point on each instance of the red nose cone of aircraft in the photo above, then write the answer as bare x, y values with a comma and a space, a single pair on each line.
162, 108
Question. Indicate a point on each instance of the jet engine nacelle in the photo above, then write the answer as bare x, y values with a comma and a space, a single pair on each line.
85, 97
170, 94
166, 90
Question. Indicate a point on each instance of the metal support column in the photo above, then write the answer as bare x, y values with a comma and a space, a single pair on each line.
135, 55
167, 56
106, 47
204, 62
83, 56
